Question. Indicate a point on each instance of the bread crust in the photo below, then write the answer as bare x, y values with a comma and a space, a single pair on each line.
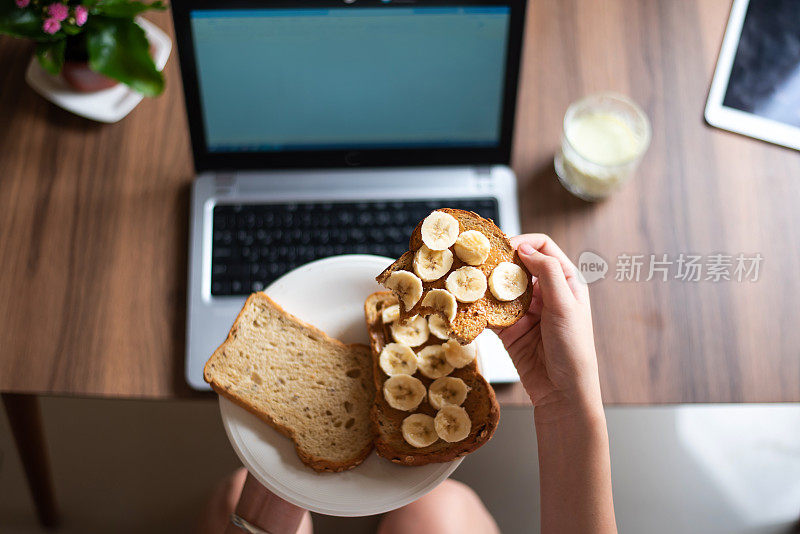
471, 318
316, 463
481, 403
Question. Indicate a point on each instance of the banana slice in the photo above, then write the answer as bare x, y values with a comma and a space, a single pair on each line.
418, 430
447, 391
467, 284
460, 355
438, 326
452, 423
432, 362
443, 302
397, 359
390, 314
413, 332
508, 281
439, 230
472, 247
407, 286
430, 264
403, 392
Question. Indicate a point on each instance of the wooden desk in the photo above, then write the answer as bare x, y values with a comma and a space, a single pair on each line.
93, 223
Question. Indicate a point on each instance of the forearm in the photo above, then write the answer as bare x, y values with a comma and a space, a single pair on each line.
575, 470
265, 510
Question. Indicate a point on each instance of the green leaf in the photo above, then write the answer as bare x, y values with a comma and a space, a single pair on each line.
51, 55
24, 23
126, 8
119, 49
70, 29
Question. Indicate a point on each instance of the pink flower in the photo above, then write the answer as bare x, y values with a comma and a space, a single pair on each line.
51, 26
81, 14
22, 3
57, 11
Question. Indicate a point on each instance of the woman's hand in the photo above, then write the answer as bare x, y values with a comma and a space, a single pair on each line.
552, 346
553, 349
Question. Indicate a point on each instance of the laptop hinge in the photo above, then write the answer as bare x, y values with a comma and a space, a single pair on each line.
224, 182
483, 171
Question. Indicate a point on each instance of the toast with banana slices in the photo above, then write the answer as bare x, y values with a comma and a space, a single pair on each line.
431, 403
312, 388
463, 268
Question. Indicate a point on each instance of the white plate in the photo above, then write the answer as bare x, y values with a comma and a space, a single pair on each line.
329, 294
108, 105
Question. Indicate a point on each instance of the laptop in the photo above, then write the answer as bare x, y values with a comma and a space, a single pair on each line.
328, 127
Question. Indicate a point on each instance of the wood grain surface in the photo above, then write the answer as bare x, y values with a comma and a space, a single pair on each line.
93, 221
93, 240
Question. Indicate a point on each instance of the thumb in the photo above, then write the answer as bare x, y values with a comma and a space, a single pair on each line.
550, 275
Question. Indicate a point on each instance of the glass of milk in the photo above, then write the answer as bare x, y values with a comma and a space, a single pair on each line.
604, 138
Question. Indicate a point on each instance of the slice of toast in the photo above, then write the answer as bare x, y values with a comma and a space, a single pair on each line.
481, 404
310, 387
472, 318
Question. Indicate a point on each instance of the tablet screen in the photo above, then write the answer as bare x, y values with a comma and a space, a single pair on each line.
765, 77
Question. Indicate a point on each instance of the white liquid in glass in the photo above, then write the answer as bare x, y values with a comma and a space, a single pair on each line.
601, 146
603, 138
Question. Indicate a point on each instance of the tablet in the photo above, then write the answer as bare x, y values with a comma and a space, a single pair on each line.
756, 86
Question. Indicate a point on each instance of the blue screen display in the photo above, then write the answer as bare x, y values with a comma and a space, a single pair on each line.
347, 78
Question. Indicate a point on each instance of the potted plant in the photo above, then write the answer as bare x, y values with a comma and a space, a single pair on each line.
93, 43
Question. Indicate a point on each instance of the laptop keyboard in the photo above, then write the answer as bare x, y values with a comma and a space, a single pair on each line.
253, 244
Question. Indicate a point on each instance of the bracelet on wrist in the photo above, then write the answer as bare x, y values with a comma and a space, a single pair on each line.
246, 526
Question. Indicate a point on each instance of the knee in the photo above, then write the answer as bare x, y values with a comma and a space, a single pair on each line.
452, 507
453, 490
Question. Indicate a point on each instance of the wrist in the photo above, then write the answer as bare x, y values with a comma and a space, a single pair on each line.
580, 405
265, 510
557, 431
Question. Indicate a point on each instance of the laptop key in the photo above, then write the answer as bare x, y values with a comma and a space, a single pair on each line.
220, 287
222, 252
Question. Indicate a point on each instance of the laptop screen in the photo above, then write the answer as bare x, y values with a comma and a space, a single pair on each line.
351, 78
